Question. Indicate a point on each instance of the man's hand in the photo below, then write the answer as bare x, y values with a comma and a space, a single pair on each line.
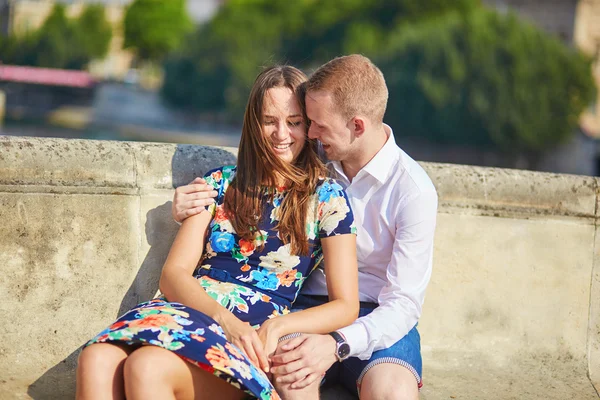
191, 199
301, 361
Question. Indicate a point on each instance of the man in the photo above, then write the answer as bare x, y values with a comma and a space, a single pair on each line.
395, 206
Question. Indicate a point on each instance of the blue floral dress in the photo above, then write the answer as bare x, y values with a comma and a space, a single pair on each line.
254, 285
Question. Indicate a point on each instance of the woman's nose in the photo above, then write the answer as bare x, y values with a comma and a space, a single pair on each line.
281, 131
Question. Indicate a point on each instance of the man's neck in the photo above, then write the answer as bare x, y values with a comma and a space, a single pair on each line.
372, 142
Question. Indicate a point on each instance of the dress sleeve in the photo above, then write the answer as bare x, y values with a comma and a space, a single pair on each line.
334, 211
219, 179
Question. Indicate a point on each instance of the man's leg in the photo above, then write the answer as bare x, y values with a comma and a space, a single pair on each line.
310, 392
389, 381
392, 373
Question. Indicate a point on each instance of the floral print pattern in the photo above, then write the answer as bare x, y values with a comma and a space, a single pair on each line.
254, 285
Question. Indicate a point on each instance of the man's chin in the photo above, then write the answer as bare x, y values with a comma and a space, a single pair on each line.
331, 155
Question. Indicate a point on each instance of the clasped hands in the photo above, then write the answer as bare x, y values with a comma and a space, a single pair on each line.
296, 362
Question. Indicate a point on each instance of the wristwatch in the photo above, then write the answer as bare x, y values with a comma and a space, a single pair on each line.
342, 348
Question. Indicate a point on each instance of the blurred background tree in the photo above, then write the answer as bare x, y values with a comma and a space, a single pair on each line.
458, 73
61, 42
468, 83
224, 56
486, 79
54, 46
94, 32
153, 28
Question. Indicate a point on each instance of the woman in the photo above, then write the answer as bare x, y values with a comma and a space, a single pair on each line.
275, 218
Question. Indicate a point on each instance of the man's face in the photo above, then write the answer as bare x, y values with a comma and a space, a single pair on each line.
328, 126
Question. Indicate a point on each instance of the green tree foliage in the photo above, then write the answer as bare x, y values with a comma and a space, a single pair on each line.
224, 56
155, 27
55, 40
61, 42
486, 79
94, 32
457, 72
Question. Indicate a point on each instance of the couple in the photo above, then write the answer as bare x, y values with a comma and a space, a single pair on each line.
232, 319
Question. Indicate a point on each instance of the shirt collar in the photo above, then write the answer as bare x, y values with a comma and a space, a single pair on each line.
379, 167
381, 164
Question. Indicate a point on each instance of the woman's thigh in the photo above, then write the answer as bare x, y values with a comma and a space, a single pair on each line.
102, 357
100, 371
151, 370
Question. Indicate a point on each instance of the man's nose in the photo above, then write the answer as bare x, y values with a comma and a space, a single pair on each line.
312, 133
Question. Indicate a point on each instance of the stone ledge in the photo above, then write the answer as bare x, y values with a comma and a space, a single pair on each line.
500, 192
108, 167
512, 310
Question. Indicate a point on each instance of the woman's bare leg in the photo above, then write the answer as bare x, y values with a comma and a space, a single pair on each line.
100, 372
155, 373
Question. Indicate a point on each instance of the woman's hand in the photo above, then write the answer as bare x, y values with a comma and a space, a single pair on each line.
246, 338
269, 334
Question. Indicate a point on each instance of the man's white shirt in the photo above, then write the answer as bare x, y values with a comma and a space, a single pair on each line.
395, 205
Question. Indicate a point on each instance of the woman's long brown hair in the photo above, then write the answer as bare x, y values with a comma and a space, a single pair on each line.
259, 169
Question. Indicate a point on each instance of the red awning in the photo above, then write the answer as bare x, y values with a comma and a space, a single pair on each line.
46, 76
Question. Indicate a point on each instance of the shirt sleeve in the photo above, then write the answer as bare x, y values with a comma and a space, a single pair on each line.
408, 274
334, 211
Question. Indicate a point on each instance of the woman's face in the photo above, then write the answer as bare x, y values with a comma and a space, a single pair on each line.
282, 123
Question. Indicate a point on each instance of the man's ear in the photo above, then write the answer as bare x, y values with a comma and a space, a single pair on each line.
357, 124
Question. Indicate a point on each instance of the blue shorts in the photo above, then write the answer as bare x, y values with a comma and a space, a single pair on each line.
350, 372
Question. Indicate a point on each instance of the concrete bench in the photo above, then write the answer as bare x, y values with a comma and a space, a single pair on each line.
512, 312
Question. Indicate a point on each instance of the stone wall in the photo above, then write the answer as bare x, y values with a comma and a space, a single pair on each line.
513, 309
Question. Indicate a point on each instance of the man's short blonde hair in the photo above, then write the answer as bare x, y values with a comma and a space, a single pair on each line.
356, 84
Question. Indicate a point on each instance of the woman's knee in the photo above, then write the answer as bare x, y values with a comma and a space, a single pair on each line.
146, 364
100, 357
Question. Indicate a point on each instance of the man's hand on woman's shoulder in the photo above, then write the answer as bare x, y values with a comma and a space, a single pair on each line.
192, 199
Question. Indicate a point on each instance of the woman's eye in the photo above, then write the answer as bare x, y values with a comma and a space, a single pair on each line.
269, 122
295, 123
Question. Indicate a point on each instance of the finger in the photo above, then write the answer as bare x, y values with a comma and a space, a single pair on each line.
307, 381
249, 349
201, 203
198, 179
240, 346
294, 377
287, 356
289, 368
190, 212
208, 194
191, 205
260, 353
194, 187
293, 343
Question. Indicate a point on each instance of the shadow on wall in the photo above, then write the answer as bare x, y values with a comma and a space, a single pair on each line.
188, 162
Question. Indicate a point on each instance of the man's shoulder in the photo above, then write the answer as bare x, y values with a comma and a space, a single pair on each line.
410, 178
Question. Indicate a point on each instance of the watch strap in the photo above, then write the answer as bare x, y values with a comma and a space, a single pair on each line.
337, 337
